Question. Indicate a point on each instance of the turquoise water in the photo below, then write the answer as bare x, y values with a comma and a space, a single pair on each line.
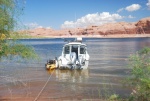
107, 67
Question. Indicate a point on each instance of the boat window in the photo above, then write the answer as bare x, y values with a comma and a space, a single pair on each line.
67, 48
82, 49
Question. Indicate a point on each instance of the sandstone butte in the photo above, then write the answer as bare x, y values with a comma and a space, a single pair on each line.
118, 29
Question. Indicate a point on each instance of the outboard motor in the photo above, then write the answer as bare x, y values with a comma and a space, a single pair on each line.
81, 59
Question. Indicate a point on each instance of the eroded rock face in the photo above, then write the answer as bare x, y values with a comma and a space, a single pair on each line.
113, 28
140, 27
144, 25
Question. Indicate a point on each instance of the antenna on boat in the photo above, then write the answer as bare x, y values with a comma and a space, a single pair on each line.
75, 22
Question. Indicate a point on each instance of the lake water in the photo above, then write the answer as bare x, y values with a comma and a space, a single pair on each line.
108, 66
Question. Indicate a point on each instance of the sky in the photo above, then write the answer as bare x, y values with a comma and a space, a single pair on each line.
62, 14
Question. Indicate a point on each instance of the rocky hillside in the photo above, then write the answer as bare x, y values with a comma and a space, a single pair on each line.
119, 28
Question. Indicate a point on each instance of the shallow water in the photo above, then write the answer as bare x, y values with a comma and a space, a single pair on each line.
107, 67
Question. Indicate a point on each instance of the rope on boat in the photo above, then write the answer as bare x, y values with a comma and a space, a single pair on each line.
43, 87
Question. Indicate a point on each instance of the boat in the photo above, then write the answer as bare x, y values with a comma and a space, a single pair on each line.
74, 55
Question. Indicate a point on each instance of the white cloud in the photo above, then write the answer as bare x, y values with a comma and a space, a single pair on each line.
33, 25
120, 10
133, 7
148, 4
92, 19
39, 27
131, 17
68, 24
49, 27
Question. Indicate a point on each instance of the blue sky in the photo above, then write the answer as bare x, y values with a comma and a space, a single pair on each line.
58, 14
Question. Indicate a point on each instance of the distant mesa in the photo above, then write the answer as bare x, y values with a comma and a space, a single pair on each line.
119, 28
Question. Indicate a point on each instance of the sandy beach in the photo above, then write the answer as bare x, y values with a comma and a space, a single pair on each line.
102, 36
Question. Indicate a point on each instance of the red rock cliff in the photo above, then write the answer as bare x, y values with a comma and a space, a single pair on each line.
140, 27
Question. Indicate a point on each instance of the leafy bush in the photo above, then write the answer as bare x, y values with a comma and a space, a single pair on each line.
9, 17
140, 75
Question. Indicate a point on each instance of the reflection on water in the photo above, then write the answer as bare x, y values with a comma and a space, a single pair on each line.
71, 76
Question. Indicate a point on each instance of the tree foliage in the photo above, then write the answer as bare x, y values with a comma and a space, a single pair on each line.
140, 75
6, 17
9, 17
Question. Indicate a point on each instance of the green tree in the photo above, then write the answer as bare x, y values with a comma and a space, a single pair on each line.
10, 11
140, 75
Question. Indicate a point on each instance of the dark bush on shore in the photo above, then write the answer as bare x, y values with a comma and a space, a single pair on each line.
139, 81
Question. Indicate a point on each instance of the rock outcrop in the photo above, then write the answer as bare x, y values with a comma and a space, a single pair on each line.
140, 27
144, 25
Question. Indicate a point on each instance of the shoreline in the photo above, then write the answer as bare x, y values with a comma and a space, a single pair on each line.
94, 36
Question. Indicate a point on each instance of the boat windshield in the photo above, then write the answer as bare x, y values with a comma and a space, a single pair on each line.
75, 48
